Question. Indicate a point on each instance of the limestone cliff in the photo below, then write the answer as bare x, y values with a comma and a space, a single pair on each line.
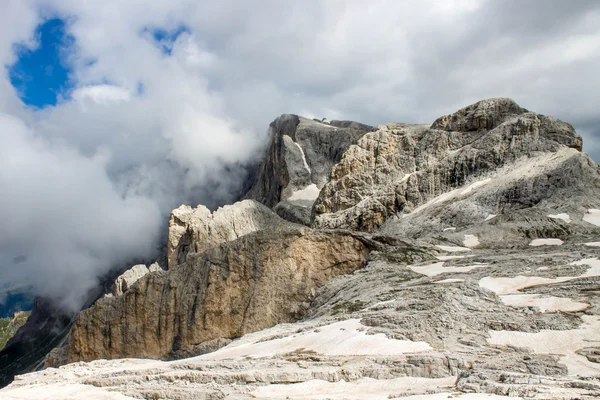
297, 163
251, 283
400, 167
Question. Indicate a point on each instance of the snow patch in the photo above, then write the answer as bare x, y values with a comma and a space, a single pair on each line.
364, 388
445, 258
503, 286
490, 216
347, 337
450, 280
303, 158
475, 185
438, 268
546, 242
513, 285
450, 229
311, 192
564, 343
63, 391
545, 304
471, 241
564, 217
593, 244
452, 248
592, 216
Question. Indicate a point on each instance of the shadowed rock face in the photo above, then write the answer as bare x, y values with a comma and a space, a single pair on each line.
252, 283
297, 163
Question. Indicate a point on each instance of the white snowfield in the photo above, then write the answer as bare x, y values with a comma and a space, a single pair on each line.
450, 195
564, 343
445, 258
490, 216
62, 391
452, 249
545, 304
365, 388
502, 286
564, 217
471, 241
438, 268
347, 337
592, 216
475, 185
593, 244
546, 242
450, 280
369, 389
311, 192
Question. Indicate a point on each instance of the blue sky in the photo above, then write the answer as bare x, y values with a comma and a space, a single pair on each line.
41, 74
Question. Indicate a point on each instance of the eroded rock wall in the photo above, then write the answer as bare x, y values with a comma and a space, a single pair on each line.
252, 283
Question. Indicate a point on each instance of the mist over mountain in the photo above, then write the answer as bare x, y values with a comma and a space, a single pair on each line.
111, 116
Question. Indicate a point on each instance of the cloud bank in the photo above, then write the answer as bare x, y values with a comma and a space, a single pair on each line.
165, 97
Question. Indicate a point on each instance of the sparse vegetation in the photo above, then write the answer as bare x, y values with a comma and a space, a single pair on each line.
9, 326
348, 307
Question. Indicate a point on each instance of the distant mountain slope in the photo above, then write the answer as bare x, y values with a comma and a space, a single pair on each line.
9, 326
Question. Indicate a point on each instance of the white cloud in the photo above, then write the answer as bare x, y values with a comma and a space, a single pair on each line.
101, 94
156, 129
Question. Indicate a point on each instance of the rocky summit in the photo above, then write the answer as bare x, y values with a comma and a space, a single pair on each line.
458, 259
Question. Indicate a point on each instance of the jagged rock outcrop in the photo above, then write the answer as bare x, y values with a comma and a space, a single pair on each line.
400, 167
298, 161
254, 282
194, 230
131, 276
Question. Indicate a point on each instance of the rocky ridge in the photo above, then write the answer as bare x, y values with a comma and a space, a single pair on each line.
455, 259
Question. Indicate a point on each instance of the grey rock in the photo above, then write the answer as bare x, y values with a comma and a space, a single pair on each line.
298, 161
128, 278
399, 167
194, 230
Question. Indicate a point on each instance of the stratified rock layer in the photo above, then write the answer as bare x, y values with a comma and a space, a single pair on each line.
399, 167
298, 161
252, 283
194, 230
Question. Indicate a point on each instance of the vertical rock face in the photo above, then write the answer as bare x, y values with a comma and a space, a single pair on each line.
193, 230
252, 283
399, 167
298, 161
